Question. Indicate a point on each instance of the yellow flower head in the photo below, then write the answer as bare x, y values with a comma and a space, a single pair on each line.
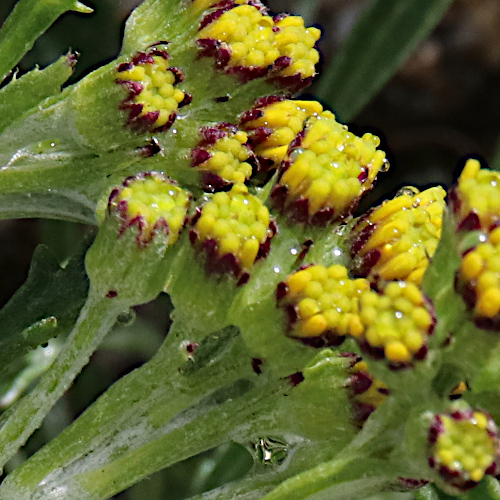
479, 280
223, 157
396, 240
397, 322
245, 40
273, 124
326, 171
322, 304
153, 93
233, 230
476, 198
463, 447
153, 203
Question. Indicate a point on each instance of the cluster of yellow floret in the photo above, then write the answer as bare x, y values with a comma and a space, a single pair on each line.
228, 158
396, 240
325, 303
152, 201
272, 127
237, 223
477, 206
329, 168
255, 40
464, 446
478, 193
152, 87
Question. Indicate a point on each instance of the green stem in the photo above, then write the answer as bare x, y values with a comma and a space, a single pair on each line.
96, 319
123, 423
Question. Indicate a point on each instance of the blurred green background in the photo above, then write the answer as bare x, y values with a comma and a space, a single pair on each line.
442, 104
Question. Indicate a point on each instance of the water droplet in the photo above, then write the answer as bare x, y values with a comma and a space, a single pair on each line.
385, 165
296, 153
408, 191
398, 314
126, 318
294, 251
269, 450
277, 269
337, 252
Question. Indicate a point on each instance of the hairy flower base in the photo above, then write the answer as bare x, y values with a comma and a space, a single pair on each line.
233, 230
463, 447
476, 198
479, 280
326, 171
396, 240
223, 157
324, 306
244, 40
153, 203
273, 124
153, 93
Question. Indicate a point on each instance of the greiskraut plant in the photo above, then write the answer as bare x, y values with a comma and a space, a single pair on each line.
353, 353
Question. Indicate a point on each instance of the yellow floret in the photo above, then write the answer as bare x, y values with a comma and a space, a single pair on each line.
479, 192
284, 119
325, 301
405, 233
232, 220
331, 168
155, 200
159, 86
229, 158
466, 446
480, 272
396, 321
255, 40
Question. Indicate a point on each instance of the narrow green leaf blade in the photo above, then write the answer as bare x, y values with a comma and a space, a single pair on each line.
49, 292
26, 92
385, 35
28, 20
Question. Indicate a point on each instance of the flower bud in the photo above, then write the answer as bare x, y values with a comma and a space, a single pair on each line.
128, 261
272, 125
479, 281
322, 304
326, 171
153, 203
153, 93
244, 40
476, 198
396, 240
463, 447
397, 321
233, 230
366, 392
223, 157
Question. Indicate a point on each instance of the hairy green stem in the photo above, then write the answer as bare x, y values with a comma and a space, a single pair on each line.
96, 319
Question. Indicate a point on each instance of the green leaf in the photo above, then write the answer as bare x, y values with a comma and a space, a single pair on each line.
439, 283
22, 94
28, 20
385, 35
46, 305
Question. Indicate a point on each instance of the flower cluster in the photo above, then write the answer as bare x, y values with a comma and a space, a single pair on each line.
396, 240
324, 306
463, 447
222, 156
326, 171
246, 41
233, 230
476, 204
153, 93
153, 203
